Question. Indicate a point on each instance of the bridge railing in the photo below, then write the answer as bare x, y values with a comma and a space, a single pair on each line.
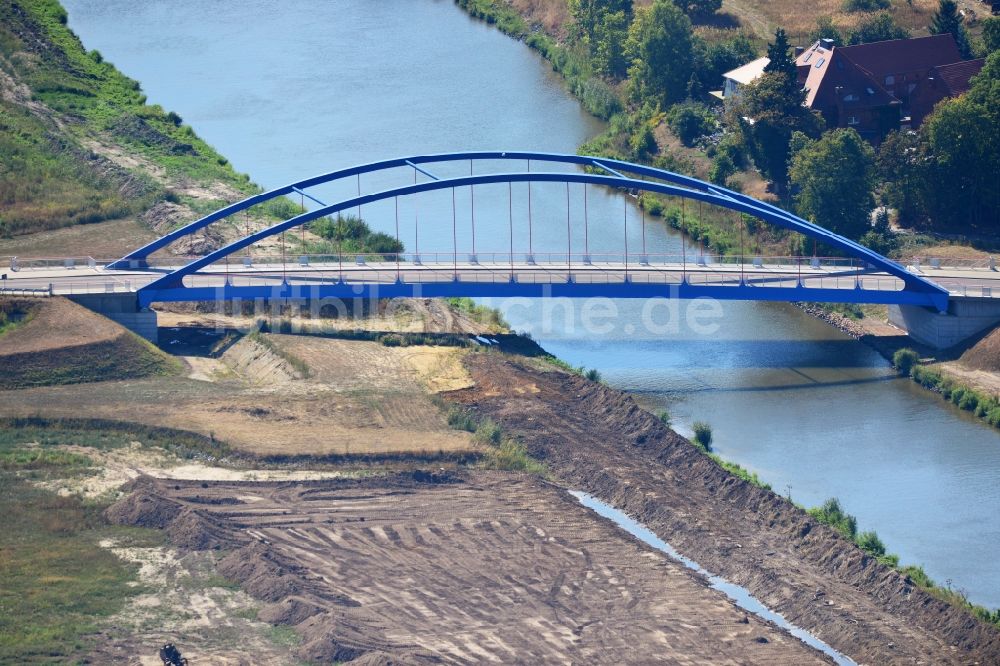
612, 273
581, 259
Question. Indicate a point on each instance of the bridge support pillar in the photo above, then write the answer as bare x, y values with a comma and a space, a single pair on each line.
122, 309
965, 318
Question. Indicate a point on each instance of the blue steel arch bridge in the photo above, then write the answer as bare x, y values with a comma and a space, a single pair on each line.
859, 276
942, 306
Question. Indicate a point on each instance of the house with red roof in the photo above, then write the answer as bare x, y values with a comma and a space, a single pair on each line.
882, 86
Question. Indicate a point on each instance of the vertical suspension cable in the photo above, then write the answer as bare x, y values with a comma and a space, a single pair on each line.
248, 229
510, 222
284, 273
569, 241
339, 227
743, 261
472, 197
683, 243
586, 223
359, 195
398, 244
531, 248
302, 227
643, 213
625, 200
416, 219
454, 234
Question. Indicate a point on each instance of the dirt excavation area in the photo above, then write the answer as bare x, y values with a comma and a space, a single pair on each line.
598, 440
467, 567
280, 396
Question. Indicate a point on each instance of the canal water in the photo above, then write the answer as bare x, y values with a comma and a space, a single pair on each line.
294, 89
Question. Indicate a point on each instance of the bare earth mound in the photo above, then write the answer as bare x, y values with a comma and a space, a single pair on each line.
985, 354
64, 343
598, 440
445, 568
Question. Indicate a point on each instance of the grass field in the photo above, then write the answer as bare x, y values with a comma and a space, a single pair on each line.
58, 582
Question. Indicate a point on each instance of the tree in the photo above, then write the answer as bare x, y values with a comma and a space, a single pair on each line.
781, 61
877, 27
991, 34
713, 60
608, 47
899, 166
866, 5
690, 121
947, 19
835, 175
660, 50
770, 111
825, 29
699, 8
602, 27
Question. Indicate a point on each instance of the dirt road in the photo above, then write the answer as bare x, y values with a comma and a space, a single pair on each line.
598, 440
478, 567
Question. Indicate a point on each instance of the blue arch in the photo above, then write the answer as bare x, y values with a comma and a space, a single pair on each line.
675, 185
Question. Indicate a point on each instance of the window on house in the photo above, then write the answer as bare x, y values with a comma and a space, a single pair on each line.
819, 63
851, 98
889, 80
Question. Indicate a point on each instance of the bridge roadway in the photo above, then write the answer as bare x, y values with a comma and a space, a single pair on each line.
823, 276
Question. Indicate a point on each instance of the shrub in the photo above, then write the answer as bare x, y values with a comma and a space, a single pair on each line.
664, 417
904, 360
866, 5
871, 544
703, 435
598, 98
642, 142
461, 419
832, 514
690, 121
488, 432
969, 401
593, 375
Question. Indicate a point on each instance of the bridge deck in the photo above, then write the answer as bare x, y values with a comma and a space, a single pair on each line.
483, 278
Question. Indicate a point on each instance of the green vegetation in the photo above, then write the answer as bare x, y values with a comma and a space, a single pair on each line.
740, 472
703, 436
14, 313
904, 360
487, 316
948, 20
500, 450
834, 176
351, 235
58, 582
664, 417
832, 513
983, 406
49, 177
102, 434
935, 178
126, 357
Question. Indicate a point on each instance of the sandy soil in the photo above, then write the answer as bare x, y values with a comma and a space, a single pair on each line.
485, 567
361, 399
112, 469
185, 602
598, 440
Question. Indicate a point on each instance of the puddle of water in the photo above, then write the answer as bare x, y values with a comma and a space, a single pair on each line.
738, 594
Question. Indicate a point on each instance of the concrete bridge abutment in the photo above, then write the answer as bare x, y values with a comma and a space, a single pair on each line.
965, 318
123, 309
